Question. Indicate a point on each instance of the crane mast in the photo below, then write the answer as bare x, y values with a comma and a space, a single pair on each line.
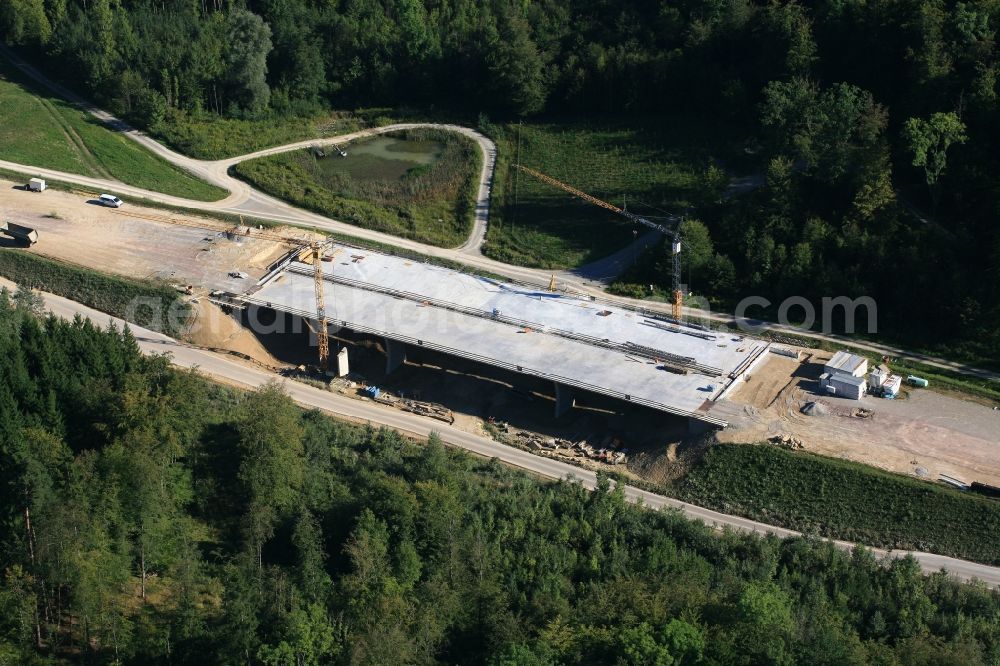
322, 334
316, 250
675, 239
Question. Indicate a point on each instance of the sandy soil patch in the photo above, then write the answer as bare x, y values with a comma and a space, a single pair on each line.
212, 328
138, 242
939, 433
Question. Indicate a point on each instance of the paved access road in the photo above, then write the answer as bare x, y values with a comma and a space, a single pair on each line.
245, 200
226, 370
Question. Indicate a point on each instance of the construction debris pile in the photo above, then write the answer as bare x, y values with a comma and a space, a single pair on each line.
614, 454
787, 442
821, 408
815, 409
429, 409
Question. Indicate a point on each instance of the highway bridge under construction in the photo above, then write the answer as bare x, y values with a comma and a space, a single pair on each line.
576, 342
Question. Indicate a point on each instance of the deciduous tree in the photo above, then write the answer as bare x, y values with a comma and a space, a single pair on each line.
929, 141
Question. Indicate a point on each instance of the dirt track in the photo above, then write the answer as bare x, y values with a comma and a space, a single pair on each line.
127, 242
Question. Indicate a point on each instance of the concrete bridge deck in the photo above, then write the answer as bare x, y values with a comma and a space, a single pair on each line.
575, 342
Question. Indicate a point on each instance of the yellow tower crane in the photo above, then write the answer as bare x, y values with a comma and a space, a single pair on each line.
322, 334
675, 239
316, 253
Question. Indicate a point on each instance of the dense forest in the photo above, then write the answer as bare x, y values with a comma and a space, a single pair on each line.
871, 124
583, 56
151, 517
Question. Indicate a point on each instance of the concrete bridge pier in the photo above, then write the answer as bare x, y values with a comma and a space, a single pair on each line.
564, 399
395, 355
698, 427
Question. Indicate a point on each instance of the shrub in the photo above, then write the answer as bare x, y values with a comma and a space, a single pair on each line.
846, 500
144, 303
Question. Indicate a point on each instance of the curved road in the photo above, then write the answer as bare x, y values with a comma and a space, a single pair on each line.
245, 200
226, 370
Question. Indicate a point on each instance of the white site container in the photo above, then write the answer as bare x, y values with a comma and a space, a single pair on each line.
343, 369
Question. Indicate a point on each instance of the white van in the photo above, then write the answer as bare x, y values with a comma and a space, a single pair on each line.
110, 200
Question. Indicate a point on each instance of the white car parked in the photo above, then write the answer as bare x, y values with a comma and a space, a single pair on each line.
110, 200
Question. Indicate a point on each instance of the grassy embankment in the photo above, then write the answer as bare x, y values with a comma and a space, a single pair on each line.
845, 500
145, 303
45, 131
432, 203
661, 164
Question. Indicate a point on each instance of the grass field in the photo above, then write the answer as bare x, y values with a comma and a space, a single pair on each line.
835, 498
653, 166
419, 184
144, 303
210, 137
48, 132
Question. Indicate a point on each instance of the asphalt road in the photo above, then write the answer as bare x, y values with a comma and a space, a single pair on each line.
226, 370
245, 200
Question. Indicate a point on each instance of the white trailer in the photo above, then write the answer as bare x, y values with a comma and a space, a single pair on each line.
36, 185
842, 384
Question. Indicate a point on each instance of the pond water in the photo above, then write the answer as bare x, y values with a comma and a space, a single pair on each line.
421, 152
381, 158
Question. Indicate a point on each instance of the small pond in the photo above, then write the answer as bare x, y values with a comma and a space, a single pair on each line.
382, 158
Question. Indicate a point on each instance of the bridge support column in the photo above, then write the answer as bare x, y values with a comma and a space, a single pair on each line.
564, 399
395, 354
697, 426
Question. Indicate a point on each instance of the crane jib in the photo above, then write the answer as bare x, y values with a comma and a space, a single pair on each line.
675, 239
